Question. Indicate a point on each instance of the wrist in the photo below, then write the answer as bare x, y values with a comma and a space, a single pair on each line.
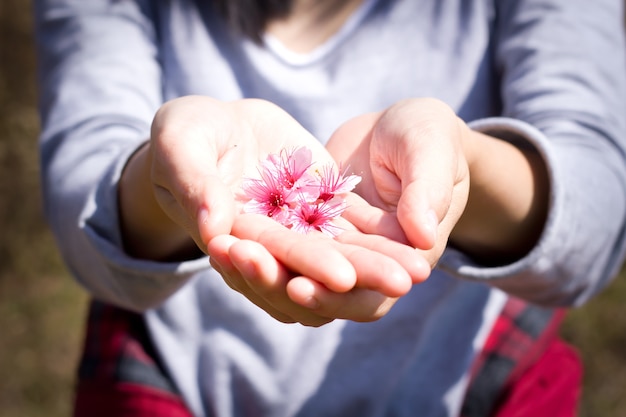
470, 141
507, 204
147, 231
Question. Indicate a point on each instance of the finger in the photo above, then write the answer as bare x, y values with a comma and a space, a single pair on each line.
299, 253
433, 255
254, 261
419, 141
216, 210
220, 248
204, 207
373, 220
267, 281
382, 233
265, 277
376, 271
381, 249
427, 173
420, 208
219, 256
359, 304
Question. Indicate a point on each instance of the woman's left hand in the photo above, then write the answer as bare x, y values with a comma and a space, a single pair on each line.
414, 170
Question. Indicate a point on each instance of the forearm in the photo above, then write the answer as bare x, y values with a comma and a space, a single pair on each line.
508, 200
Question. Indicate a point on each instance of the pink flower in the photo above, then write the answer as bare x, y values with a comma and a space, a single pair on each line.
287, 192
267, 197
290, 167
333, 183
307, 217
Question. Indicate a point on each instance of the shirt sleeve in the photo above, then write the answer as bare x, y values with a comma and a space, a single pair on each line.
563, 92
100, 85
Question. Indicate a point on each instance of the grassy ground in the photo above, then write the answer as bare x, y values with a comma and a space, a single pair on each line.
42, 310
598, 330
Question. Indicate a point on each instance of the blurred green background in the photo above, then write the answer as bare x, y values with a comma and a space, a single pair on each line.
42, 309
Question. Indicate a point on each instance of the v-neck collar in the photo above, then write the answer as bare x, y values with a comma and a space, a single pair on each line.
292, 58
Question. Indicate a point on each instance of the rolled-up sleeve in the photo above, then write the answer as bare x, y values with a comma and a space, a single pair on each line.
100, 85
563, 92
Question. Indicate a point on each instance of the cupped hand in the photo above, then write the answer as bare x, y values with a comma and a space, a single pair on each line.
202, 148
412, 158
313, 279
199, 152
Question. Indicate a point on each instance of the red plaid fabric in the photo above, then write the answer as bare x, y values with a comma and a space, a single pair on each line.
524, 369
119, 373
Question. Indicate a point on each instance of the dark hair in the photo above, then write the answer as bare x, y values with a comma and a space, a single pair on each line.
249, 17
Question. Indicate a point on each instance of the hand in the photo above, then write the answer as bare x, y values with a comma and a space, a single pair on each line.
312, 279
412, 159
183, 183
199, 151
416, 158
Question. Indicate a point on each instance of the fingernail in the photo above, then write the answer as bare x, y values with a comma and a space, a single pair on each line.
432, 223
203, 215
311, 302
216, 265
307, 292
422, 270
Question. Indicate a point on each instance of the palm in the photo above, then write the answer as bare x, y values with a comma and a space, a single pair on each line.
203, 148
414, 172
379, 188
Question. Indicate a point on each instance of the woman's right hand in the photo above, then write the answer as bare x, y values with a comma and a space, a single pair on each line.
180, 188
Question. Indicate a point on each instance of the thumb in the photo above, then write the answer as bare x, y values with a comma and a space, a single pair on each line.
215, 211
421, 207
203, 215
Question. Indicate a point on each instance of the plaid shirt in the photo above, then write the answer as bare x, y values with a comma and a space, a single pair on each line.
518, 339
120, 374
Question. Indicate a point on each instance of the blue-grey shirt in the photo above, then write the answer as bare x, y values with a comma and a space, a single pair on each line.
544, 74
